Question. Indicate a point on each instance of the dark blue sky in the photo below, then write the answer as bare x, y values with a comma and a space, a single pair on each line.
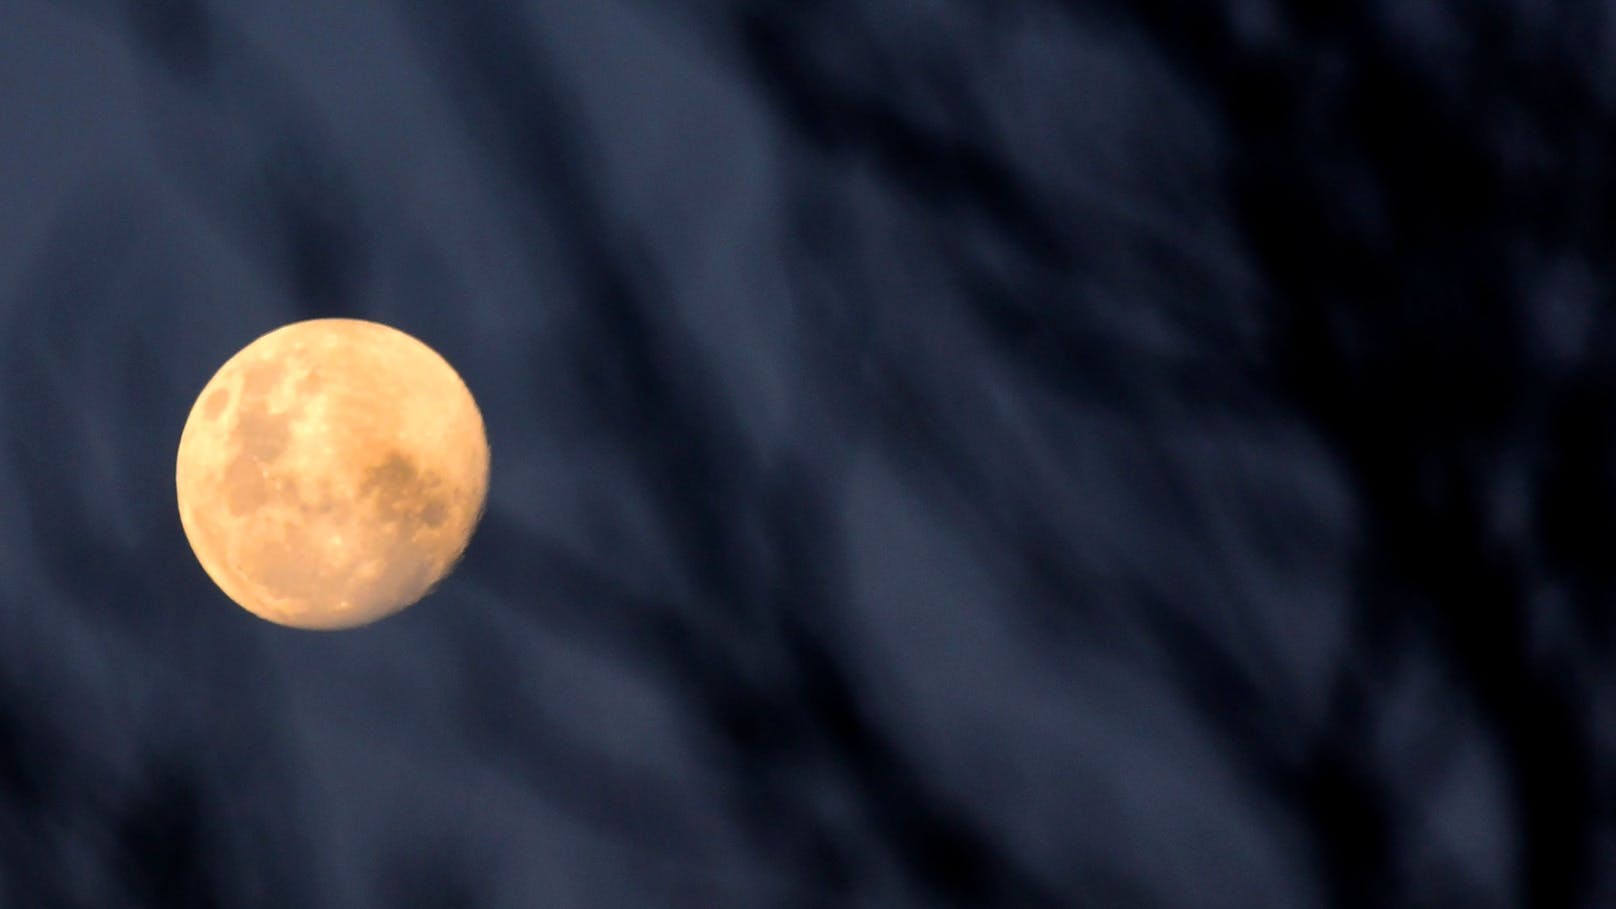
1026, 454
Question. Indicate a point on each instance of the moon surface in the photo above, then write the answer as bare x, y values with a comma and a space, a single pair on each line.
331, 473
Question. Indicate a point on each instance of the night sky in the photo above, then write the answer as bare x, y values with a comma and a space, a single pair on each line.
1028, 453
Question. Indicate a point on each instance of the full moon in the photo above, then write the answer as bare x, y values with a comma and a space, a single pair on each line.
331, 473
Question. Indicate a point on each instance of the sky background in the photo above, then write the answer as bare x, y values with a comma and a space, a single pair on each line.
1030, 453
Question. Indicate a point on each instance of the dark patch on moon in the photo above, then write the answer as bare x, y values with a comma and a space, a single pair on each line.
260, 438
433, 513
390, 482
245, 486
261, 377
404, 496
261, 435
393, 484
215, 404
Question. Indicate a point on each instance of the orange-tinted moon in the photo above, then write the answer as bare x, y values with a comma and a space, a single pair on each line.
331, 473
